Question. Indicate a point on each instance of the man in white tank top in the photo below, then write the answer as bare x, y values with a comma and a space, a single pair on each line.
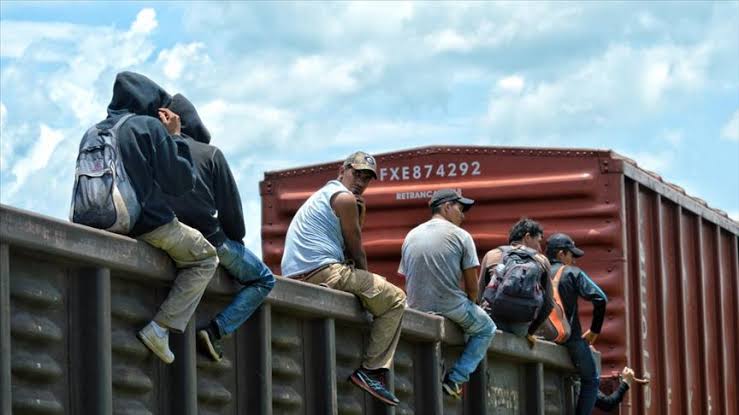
324, 246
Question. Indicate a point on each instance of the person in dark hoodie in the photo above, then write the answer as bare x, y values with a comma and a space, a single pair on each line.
575, 283
158, 162
214, 208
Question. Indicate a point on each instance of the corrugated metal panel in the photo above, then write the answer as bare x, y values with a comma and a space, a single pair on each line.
76, 296
665, 259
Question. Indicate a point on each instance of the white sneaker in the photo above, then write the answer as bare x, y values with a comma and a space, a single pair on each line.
156, 343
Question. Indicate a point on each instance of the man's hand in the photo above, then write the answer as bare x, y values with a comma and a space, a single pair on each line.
590, 337
532, 340
628, 376
361, 210
170, 120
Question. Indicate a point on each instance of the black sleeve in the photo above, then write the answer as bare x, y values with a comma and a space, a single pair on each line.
590, 291
546, 307
172, 164
228, 201
610, 402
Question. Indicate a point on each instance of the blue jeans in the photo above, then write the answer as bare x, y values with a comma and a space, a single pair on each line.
475, 323
583, 360
250, 271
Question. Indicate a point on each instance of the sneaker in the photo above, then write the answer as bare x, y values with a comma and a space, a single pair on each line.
452, 389
157, 343
374, 384
211, 344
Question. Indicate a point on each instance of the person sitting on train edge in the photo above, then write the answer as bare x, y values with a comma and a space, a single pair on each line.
436, 257
214, 208
524, 233
561, 251
158, 162
610, 402
324, 246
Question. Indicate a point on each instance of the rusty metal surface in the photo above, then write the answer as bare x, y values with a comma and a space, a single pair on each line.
74, 312
666, 260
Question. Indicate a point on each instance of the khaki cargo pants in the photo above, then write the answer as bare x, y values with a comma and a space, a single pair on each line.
382, 299
196, 261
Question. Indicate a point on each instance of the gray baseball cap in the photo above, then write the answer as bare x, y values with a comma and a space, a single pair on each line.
360, 160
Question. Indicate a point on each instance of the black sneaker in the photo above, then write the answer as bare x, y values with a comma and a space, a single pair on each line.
452, 389
211, 344
374, 384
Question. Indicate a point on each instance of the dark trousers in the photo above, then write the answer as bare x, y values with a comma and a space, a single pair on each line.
583, 360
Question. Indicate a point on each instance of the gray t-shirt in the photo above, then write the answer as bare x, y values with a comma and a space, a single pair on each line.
433, 257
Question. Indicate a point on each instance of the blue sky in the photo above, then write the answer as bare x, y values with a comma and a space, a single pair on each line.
285, 84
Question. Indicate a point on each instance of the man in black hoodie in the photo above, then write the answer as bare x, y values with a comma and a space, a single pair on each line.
214, 208
575, 283
158, 161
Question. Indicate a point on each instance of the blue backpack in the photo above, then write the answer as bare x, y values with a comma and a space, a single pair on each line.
102, 196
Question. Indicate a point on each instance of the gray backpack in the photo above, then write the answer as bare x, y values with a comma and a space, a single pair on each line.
102, 196
514, 293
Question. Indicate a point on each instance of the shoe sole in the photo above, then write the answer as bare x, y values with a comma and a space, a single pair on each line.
153, 349
203, 337
358, 382
451, 392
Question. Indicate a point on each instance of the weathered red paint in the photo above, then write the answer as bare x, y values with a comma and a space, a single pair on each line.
667, 261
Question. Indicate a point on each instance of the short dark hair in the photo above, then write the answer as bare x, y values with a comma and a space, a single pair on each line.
522, 227
436, 208
552, 252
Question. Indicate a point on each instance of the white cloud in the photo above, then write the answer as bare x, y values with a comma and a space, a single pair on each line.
734, 215
17, 36
730, 130
235, 127
513, 83
3, 114
37, 157
146, 21
175, 60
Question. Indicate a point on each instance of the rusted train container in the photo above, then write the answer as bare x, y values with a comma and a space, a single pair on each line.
667, 261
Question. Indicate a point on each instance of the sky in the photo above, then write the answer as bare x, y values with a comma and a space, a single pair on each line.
283, 84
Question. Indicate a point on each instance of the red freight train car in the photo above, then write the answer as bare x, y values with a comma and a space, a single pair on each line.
667, 261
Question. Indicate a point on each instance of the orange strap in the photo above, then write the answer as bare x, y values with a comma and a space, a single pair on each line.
554, 316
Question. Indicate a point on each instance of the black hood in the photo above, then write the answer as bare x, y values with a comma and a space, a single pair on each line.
191, 124
133, 92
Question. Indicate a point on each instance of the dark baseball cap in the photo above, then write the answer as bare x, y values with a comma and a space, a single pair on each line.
562, 241
450, 195
360, 160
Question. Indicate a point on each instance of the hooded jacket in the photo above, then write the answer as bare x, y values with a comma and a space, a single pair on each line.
156, 163
213, 206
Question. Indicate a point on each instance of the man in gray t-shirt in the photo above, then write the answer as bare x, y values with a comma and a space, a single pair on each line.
438, 259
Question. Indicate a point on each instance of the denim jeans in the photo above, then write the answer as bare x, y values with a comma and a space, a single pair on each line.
583, 360
475, 323
250, 271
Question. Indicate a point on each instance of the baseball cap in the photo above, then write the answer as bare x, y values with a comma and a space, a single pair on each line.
563, 241
360, 160
450, 195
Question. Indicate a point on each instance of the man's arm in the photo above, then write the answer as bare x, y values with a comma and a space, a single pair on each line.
345, 206
590, 291
172, 161
470, 283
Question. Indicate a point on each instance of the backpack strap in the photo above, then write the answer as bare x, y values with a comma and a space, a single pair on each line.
120, 122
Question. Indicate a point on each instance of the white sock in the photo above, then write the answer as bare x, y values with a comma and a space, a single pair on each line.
159, 330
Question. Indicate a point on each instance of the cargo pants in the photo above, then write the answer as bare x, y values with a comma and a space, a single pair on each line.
382, 299
196, 261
